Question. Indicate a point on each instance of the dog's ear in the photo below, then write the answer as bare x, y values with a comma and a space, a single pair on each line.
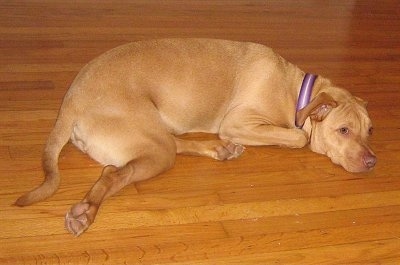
317, 109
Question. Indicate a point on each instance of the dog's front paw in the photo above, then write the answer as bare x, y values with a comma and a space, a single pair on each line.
229, 150
300, 139
79, 218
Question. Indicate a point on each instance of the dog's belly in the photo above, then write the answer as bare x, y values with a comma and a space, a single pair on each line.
103, 149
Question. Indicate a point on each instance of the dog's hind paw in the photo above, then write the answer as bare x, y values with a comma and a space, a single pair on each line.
79, 218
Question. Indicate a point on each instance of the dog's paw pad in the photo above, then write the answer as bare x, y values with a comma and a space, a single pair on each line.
77, 220
229, 150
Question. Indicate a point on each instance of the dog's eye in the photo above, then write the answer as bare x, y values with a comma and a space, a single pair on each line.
344, 130
370, 131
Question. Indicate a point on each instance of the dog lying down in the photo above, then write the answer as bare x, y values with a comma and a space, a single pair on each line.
126, 107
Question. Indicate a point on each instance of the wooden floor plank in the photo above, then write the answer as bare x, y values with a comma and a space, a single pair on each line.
375, 252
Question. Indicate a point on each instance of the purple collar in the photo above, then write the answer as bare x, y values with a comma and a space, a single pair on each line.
305, 94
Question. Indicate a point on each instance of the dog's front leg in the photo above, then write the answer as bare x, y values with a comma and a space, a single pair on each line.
216, 149
267, 135
252, 130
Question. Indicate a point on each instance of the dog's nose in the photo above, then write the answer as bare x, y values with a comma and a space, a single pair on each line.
369, 160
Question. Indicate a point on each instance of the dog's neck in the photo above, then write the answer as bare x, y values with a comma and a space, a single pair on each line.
305, 94
320, 84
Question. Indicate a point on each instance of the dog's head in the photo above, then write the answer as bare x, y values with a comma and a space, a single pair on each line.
340, 129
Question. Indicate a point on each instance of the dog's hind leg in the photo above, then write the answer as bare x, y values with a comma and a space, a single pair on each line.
113, 179
136, 150
217, 149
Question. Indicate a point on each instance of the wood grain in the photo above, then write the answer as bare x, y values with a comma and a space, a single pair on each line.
270, 206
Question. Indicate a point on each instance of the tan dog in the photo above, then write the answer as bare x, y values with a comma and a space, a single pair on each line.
125, 108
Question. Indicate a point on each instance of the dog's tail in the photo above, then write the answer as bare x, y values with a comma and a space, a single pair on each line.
56, 141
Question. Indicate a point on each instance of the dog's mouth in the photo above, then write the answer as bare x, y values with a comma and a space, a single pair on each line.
368, 159
360, 168
362, 162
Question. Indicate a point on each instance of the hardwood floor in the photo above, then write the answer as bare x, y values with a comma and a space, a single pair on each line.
270, 206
